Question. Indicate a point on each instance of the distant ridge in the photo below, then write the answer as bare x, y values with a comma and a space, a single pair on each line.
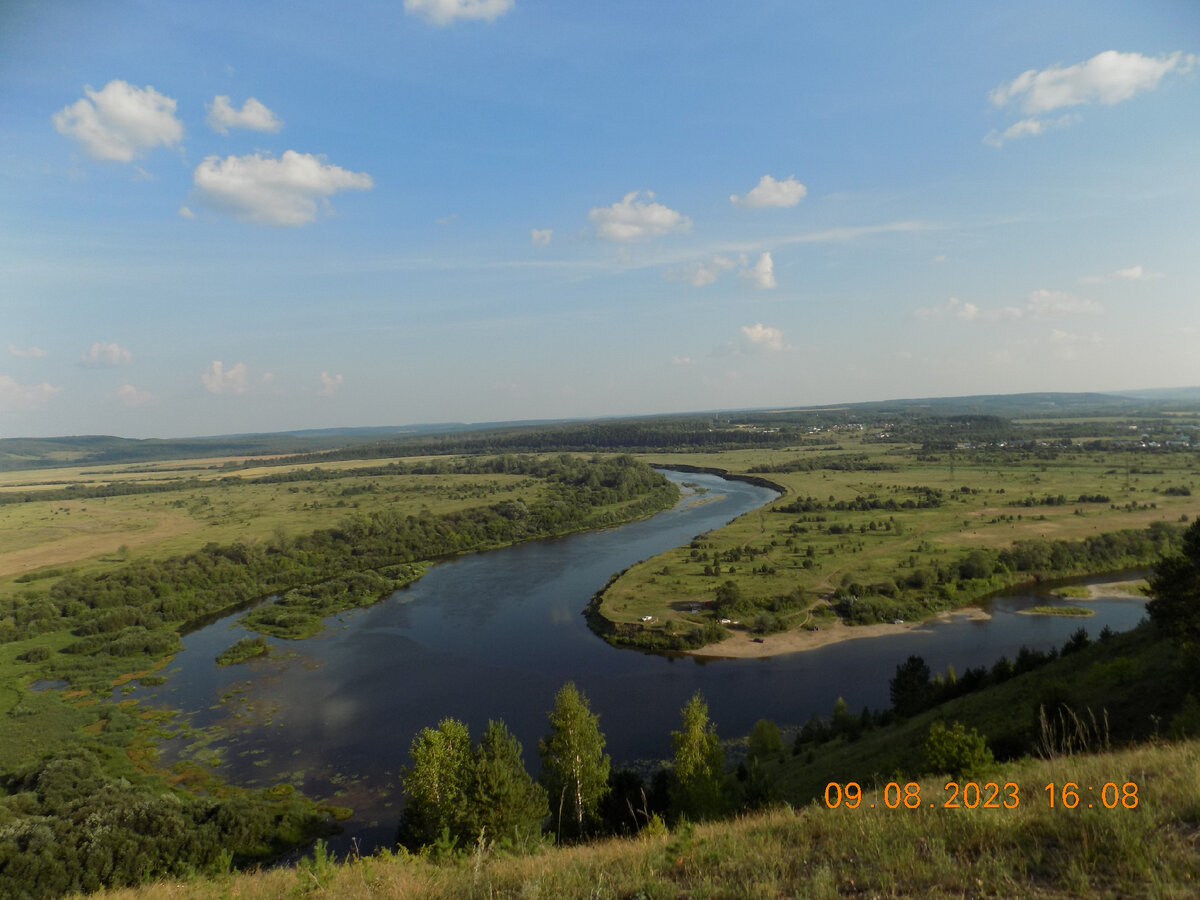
76, 450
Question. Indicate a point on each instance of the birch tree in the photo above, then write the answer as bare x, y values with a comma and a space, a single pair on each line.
574, 765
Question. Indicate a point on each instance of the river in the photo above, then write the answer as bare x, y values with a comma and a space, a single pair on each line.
496, 634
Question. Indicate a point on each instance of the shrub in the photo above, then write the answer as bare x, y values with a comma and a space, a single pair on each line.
955, 751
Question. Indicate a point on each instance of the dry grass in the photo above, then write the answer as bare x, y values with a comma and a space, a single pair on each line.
92, 534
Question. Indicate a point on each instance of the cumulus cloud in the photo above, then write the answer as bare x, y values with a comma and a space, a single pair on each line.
220, 381
120, 122
705, 271
106, 356
1131, 273
632, 219
185, 213
261, 189
222, 116
26, 352
1109, 77
330, 384
1068, 346
1039, 304
763, 273
762, 338
17, 397
446, 12
1043, 303
131, 396
540, 237
1027, 128
771, 193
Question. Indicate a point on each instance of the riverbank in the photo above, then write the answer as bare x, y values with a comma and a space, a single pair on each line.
744, 645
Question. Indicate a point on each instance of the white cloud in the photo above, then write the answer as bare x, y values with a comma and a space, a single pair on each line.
762, 338
771, 193
185, 213
1043, 303
1109, 77
445, 12
26, 352
968, 312
705, 272
16, 397
682, 361
1039, 304
106, 356
763, 273
120, 122
540, 237
253, 116
1069, 346
330, 384
131, 396
1027, 128
220, 381
632, 219
267, 191
1131, 273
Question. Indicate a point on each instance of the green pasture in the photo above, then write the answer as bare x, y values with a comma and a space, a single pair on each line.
983, 494
48, 537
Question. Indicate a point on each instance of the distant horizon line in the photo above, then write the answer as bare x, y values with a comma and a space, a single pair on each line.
428, 428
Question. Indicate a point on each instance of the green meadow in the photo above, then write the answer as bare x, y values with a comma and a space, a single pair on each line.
868, 532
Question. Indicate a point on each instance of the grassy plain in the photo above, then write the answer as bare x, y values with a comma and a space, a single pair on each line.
982, 492
225, 506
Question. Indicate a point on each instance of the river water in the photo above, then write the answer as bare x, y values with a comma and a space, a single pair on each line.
496, 634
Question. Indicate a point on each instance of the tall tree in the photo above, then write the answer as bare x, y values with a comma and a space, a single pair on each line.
437, 784
505, 804
574, 765
765, 741
1175, 591
910, 690
699, 764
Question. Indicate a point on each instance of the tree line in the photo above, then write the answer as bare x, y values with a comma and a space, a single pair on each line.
366, 556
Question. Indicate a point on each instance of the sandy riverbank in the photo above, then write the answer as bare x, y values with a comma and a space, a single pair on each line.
743, 646
1132, 588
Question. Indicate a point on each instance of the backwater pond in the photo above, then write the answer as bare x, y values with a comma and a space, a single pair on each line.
494, 635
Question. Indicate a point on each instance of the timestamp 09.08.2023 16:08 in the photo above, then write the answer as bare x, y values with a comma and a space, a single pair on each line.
984, 795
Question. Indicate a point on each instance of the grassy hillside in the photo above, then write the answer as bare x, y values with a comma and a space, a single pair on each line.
1128, 687
1031, 850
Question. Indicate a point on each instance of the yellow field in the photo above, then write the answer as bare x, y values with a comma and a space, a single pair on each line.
90, 534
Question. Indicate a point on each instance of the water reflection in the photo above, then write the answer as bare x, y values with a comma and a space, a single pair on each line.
494, 635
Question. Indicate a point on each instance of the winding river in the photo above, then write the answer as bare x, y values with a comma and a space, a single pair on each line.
495, 634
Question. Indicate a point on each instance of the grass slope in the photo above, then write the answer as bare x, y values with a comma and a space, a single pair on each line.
1029, 851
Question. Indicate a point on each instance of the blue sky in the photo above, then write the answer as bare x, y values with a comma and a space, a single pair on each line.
226, 217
